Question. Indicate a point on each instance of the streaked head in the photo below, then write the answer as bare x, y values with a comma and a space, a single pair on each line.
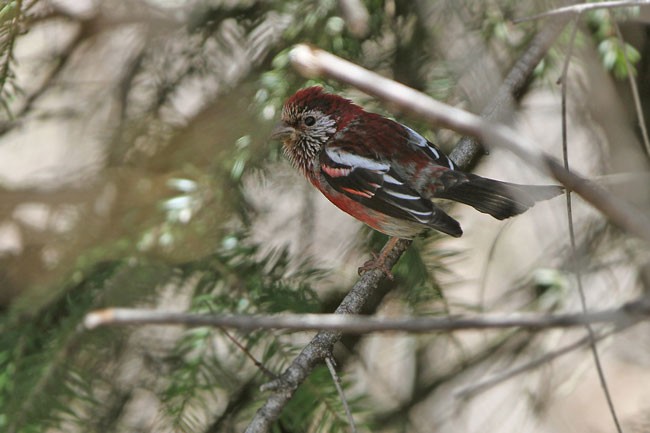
309, 119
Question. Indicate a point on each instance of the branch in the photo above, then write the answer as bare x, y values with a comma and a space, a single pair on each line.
339, 323
468, 149
583, 7
315, 62
321, 345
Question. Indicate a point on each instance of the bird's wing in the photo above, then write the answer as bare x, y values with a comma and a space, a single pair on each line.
420, 145
499, 199
373, 183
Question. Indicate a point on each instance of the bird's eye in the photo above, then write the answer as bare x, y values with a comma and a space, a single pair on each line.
309, 120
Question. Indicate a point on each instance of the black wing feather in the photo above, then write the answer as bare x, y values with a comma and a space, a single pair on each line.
380, 188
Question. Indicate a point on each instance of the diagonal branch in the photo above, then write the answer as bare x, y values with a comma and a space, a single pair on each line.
321, 345
315, 62
468, 149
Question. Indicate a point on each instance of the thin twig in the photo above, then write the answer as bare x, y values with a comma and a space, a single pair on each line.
329, 360
635, 91
578, 9
268, 373
357, 324
315, 62
572, 236
483, 385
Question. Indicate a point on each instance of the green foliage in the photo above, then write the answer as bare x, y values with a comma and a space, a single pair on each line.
11, 23
612, 50
47, 360
614, 53
234, 280
495, 22
47, 364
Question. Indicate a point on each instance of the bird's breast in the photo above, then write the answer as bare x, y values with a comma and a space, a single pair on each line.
379, 221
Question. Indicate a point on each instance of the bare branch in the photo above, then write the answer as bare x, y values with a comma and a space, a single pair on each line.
468, 149
583, 7
315, 62
356, 324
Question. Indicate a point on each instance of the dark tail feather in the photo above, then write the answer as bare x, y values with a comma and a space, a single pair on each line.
499, 199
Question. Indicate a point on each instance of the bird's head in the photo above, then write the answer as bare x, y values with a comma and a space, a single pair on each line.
309, 119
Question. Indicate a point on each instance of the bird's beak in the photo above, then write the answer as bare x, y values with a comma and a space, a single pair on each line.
282, 131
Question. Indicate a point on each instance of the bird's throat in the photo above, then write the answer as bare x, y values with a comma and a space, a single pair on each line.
303, 154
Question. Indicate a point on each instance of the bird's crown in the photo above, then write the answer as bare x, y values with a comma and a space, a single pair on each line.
315, 98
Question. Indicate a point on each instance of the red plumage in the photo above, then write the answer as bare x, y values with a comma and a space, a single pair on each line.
384, 173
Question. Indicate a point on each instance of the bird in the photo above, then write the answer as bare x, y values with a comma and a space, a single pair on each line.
384, 173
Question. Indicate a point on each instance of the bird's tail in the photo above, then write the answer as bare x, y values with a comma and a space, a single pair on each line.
500, 199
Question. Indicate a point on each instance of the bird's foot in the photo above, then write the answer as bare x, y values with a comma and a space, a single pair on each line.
378, 261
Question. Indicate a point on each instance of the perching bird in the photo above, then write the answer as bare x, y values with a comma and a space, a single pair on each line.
384, 173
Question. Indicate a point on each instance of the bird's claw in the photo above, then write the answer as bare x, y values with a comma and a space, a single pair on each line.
378, 261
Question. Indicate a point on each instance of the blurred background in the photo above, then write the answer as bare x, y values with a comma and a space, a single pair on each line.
136, 171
